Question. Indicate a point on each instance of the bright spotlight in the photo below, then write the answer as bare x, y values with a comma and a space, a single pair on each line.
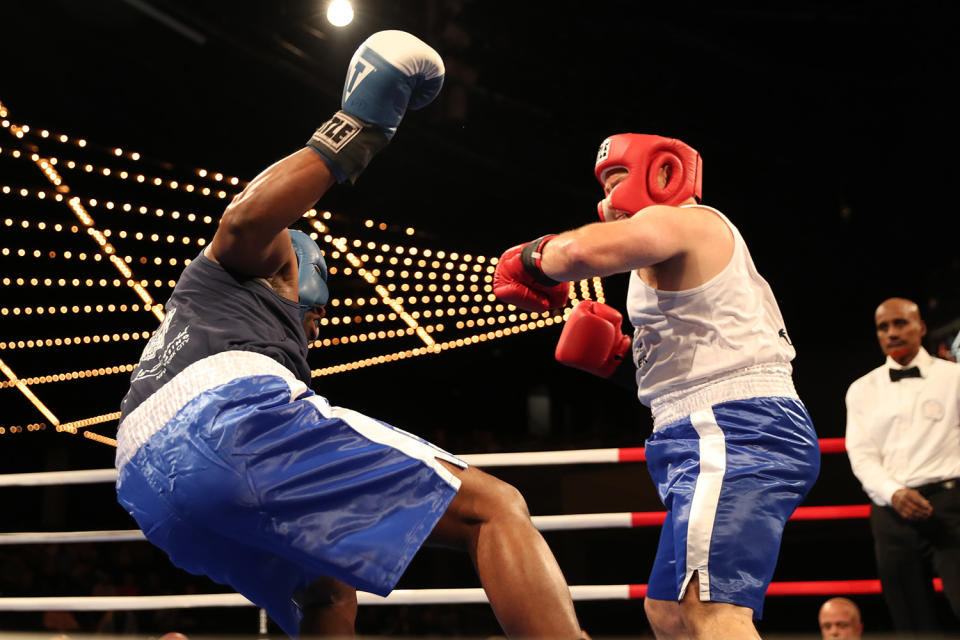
340, 13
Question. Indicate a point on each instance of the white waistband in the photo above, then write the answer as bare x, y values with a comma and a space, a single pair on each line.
202, 375
758, 381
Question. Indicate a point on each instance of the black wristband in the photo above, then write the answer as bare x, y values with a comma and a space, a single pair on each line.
348, 144
530, 259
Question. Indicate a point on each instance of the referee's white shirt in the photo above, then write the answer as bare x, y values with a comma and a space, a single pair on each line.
905, 433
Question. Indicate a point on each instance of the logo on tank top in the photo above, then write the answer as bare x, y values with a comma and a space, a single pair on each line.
160, 349
783, 334
640, 355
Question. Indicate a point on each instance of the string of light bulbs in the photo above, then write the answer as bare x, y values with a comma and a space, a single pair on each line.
72, 309
20, 281
155, 181
69, 255
21, 131
438, 347
16, 428
96, 437
105, 338
68, 375
109, 205
76, 425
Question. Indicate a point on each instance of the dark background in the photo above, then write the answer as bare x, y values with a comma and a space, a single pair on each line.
827, 133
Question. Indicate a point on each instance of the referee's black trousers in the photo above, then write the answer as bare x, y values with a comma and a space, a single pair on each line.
909, 554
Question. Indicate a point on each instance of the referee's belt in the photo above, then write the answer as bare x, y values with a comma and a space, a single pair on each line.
927, 490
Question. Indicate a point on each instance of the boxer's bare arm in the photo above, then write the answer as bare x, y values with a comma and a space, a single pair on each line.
250, 236
651, 237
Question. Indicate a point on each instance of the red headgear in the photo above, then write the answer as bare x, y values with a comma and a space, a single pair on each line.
642, 156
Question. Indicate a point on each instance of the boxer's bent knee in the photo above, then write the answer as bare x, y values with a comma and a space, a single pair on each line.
664, 617
483, 496
481, 499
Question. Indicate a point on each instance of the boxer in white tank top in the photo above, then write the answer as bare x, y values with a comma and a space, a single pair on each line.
723, 339
733, 450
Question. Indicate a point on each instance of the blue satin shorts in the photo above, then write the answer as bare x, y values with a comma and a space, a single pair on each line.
730, 477
265, 492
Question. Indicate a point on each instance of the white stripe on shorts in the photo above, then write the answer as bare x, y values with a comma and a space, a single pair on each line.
706, 496
398, 439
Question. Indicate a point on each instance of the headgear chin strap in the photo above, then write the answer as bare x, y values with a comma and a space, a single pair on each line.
311, 272
643, 156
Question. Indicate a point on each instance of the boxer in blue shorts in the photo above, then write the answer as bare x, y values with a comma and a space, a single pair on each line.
234, 467
733, 450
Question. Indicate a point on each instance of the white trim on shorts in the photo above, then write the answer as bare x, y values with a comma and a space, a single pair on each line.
203, 375
759, 381
706, 498
392, 437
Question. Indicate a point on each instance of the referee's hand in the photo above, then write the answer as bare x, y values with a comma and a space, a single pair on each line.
911, 505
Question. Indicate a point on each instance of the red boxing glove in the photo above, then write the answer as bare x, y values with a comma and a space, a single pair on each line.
518, 279
593, 340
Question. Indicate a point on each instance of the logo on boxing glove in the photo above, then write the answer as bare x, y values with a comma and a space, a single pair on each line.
338, 131
360, 71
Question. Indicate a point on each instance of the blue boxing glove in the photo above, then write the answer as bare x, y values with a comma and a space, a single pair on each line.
391, 72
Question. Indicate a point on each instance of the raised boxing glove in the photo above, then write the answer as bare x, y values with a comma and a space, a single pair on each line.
392, 71
593, 340
519, 280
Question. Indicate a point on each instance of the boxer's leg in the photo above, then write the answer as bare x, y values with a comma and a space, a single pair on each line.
329, 608
715, 619
661, 604
528, 593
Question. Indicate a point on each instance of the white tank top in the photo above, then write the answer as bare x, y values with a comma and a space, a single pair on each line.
721, 341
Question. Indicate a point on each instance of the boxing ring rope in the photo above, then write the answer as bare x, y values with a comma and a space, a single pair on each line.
411, 596
397, 597
57, 478
422, 596
483, 460
573, 522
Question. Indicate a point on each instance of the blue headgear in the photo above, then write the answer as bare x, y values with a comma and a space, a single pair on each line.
312, 272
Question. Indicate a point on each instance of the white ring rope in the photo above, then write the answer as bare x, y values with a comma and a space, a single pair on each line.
523, 459
397, 597
533, 458
569, 522
543, 523
45, 478
56, 537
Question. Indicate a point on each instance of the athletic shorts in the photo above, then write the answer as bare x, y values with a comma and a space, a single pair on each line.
730, 477
241, 473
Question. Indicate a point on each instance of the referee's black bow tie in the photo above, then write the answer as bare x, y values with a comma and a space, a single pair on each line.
898, 374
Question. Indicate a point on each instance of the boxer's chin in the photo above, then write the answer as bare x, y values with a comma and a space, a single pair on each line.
898, 352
